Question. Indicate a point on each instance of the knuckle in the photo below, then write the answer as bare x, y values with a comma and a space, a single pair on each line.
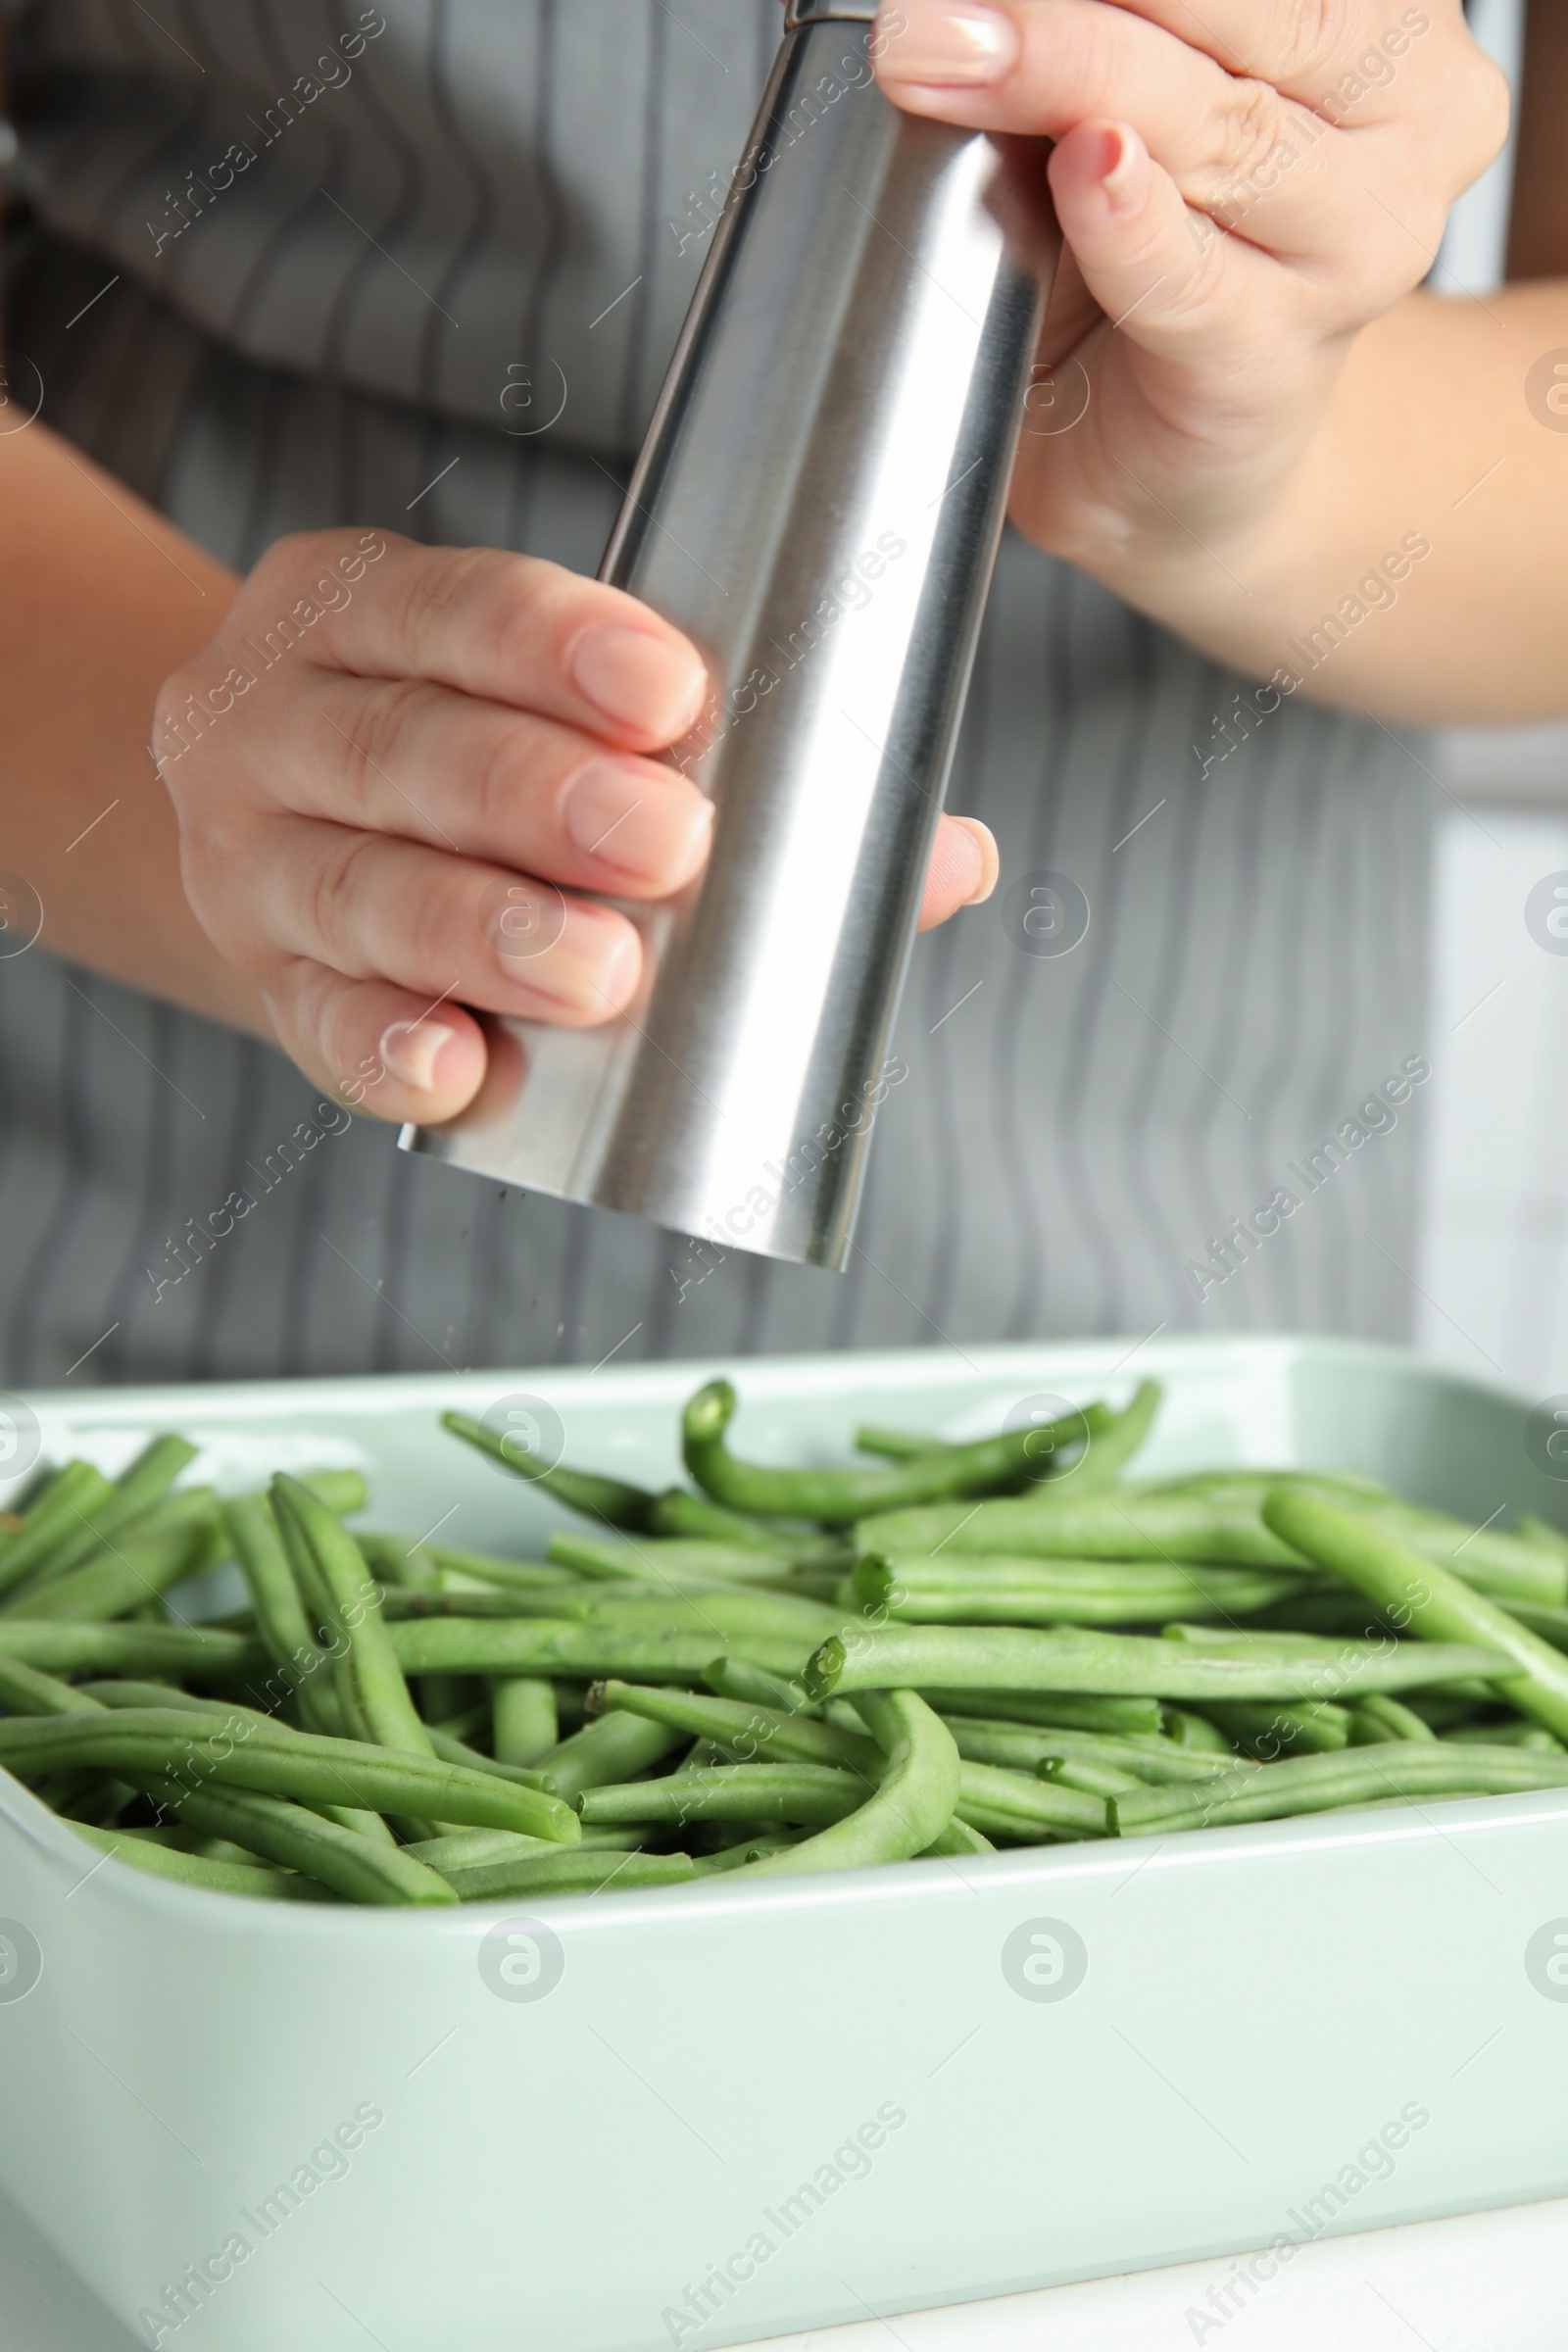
437, 584
299, 551
533, 601
377, 732
1250, 125
504, 782
1306, 41
343, 877
1486, 114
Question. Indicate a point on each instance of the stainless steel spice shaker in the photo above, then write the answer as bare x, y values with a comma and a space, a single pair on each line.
818, 506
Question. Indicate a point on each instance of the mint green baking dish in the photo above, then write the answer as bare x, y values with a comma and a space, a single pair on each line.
715, 2115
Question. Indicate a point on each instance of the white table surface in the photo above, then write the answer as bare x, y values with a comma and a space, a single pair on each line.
1485, 2282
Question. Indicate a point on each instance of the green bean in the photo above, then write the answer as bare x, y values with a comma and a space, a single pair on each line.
1550, 1624
276, 1761
1120, 1436
1505, 1567
746, 1850
996, 1589
402, 1604
610, 1500
741, 1728
1104, 1459
584, 1651
335, 1857
898, 1445
1268, 1731
612, 1748
187, 1650
576, 1873
604, 1562
1056, 1710
1380, 1718
1087, 1778
128, 1694
676, 1512
66, 1502
1325, 1613
959, 1837
838, 1496
740, 1678
324, 1615
747, 1792
720, 1612
675, 1563
1048, 1522
94, 1799
1109, 1455
1356, 1775
122, 1694
1205, 1523
143, 1558
1507, 1734
1010, 1804
410, 1567
980, 1657
141, 1484
344, 1492
1212, 1637
23, 1691
1197, 1734
461, 1848
258, 1545
1543, 1537
389, 1711
1024, 1749
182, 1841
525, 1720
453, 1751
1254, 1484
1435, 1603
142, 1852
914, 1805
522, 1574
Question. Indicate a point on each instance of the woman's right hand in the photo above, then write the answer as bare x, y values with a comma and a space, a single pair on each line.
357, 789
381, 743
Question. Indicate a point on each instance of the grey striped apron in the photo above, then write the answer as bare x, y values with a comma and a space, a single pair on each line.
342, 266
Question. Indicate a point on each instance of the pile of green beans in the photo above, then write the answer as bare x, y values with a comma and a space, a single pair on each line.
1006, 1641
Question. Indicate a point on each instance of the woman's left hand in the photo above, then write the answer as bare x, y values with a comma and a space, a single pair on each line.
1241, 188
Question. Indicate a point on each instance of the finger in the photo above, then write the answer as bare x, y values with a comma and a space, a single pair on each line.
1132, 238
964, 869
1347, 61
1234, 147
486, 782
505, 626
382, 1052
1307, 53
446, 928
1265, 144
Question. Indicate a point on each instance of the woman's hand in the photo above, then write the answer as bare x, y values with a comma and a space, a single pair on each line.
1242, 187
380, 751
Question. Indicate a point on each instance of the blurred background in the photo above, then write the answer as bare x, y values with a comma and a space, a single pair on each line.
1493, 1264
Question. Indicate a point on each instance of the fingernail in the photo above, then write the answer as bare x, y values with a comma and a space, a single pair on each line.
640, 680
943, 42
985, 842
632, 819
410, 1050
1124, 174
591, 969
